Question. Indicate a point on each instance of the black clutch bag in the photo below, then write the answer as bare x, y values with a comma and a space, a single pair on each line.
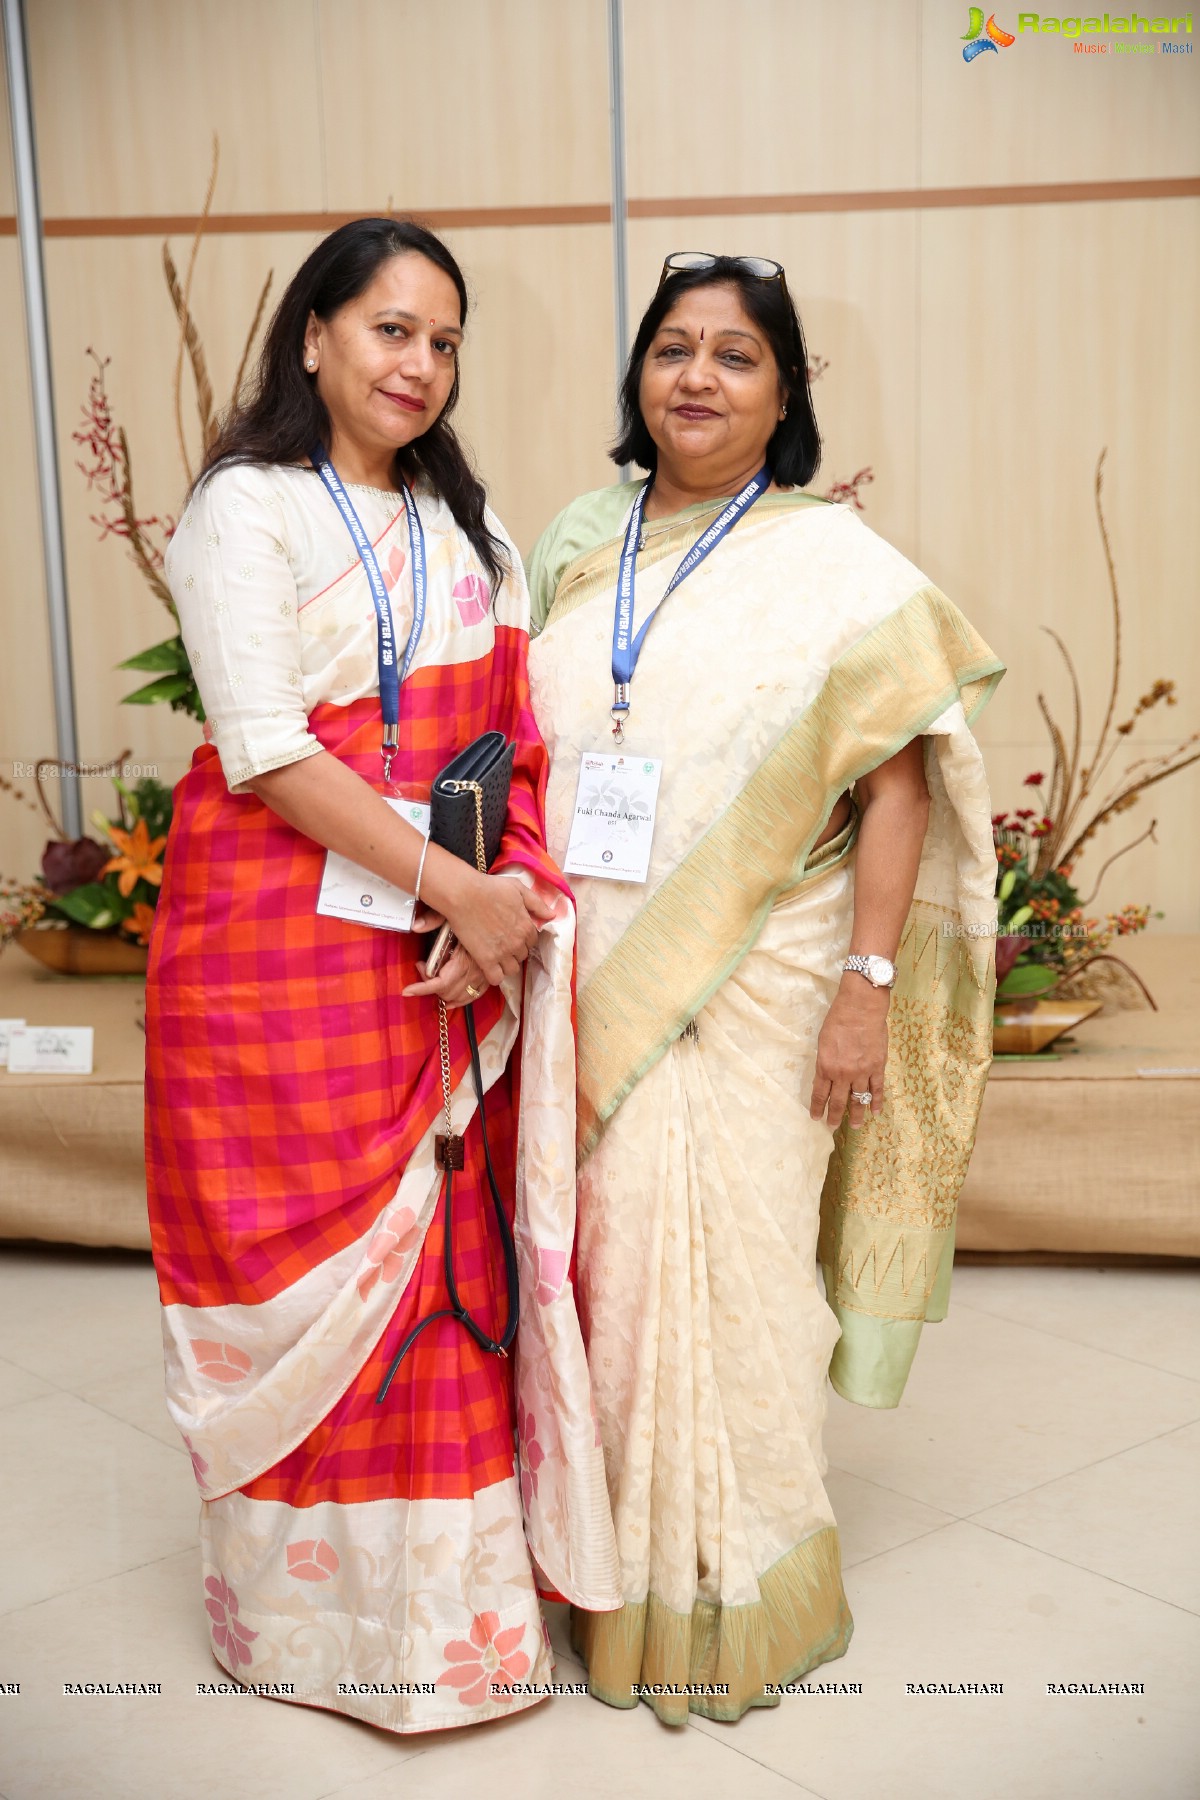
469, 802
467, 809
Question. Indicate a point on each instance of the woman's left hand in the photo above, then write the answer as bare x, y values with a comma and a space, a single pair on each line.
851, 1054
459, 982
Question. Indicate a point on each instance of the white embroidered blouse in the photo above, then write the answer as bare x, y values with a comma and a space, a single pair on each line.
250, 569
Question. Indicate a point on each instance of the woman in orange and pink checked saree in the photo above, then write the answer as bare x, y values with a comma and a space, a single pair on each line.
374, 1549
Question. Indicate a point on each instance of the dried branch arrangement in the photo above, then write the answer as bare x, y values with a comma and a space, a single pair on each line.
1045, 940
1072, 786
107, 467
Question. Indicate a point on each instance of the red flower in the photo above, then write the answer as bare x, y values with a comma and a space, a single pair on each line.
1008, 948
1034, 780
68, 866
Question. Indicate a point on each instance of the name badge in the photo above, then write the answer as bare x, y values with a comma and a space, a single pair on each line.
349, 892
50, 1049
613, 826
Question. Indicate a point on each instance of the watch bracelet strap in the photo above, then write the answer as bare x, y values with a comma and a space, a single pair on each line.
858, 965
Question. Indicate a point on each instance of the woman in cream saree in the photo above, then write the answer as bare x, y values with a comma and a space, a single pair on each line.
791, 663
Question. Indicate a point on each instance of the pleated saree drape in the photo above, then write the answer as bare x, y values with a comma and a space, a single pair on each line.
799, 657
381, 1560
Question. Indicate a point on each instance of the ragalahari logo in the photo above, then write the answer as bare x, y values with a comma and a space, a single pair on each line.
983, 37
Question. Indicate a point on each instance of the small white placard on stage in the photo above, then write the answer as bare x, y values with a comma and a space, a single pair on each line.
50, 1050
6, 1026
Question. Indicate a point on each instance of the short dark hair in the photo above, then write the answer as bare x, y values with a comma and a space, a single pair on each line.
283, 416
794, 452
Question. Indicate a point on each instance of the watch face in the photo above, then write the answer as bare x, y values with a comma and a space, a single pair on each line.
881, 971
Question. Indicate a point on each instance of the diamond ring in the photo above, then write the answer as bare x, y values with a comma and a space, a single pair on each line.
863, 1099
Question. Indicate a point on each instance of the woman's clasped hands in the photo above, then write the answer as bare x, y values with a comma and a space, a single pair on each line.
495, 920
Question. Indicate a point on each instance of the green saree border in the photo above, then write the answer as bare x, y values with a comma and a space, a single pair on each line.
595, 569
801, 1619
703, 919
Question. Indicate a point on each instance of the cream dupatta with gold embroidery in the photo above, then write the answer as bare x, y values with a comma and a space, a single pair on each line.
799, 657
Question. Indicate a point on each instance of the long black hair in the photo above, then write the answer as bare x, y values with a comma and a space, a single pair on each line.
794, 452
284, 416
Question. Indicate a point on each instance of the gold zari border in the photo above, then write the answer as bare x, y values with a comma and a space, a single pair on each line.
801, 1619
888, 1205
700, 921
594, 572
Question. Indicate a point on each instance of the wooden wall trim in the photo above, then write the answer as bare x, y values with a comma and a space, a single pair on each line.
680, 207
917, 199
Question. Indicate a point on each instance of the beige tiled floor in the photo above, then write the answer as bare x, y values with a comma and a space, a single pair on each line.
1027, 1516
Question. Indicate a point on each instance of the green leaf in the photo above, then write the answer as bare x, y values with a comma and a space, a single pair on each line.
169, 656
1026, 978
190, 703
94, 905
151, 801
167, 687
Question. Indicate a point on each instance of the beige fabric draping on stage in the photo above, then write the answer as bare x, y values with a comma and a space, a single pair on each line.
1100, 1151
72, 1164
1082, 1155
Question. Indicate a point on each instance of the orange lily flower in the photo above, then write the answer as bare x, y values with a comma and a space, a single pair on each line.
138, 860
142, 922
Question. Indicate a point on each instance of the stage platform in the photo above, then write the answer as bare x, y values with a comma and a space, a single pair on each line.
72, 1166
1098, 1152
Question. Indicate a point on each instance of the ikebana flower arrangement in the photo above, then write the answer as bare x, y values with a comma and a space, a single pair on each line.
108, 883
1046, 937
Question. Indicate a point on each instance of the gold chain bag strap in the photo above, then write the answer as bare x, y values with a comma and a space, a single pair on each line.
449, 1148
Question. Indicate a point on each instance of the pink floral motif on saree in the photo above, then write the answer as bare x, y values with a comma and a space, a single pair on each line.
229, 1634
312, 1559
389, 1249
484, 1667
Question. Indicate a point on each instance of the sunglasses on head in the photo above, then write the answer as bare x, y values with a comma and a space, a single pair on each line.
688, 262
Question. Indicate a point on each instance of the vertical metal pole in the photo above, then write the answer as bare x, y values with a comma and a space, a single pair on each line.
616, 141
29, 233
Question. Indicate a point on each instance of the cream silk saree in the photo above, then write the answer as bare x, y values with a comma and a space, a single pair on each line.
797, 658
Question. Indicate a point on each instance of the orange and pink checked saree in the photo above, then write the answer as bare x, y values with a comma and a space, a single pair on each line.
382, 1560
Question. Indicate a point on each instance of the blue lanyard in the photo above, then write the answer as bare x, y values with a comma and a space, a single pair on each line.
626, 648
389, 677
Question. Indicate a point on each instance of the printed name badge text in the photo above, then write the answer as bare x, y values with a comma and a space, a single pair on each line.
613, 827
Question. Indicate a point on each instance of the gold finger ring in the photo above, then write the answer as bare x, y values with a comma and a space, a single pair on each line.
473, 993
